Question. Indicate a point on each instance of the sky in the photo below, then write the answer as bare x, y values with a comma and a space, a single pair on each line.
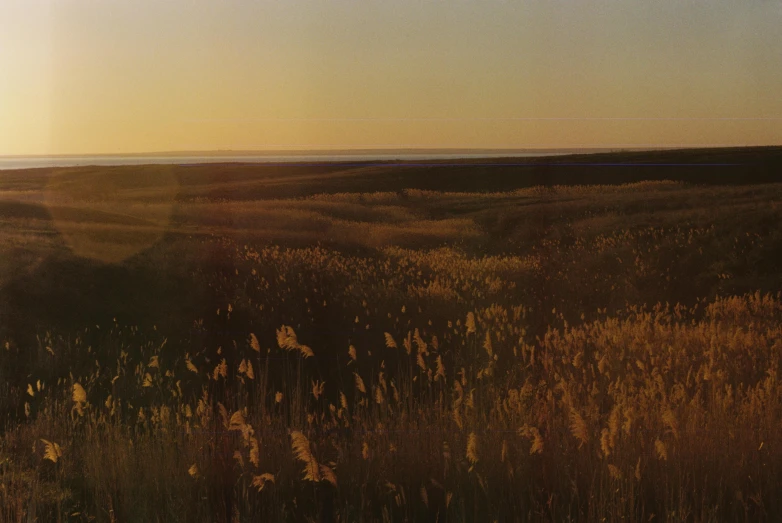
128, 76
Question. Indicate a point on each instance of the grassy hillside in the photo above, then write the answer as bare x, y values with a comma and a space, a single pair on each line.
567, 339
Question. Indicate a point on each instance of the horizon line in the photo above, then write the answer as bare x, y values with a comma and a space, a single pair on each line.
385, 150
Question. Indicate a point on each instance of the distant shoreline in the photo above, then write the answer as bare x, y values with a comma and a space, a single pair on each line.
330, 152
435, 156
300, 157
520, 152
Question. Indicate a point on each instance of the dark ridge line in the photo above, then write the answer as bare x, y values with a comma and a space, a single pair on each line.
405, 164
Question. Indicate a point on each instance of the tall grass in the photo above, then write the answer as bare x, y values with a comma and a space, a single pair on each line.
654, 414
415, 379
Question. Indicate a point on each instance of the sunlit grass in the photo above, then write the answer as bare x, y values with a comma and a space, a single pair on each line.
422, 376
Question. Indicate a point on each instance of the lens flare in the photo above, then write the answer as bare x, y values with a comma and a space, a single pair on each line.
109, 214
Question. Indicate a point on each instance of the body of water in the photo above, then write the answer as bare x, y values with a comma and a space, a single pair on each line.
33, 162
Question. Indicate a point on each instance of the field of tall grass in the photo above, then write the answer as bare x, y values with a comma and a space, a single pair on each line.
544, 354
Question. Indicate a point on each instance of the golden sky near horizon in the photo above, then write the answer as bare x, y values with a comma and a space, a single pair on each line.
121, 76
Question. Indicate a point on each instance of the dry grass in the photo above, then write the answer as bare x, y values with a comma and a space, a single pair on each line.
668, 411
424, 378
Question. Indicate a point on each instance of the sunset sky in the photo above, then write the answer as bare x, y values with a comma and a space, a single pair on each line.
111, 76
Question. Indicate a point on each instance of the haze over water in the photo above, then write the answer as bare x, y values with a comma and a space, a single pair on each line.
34, 162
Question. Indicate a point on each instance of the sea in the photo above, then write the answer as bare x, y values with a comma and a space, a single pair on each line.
34, 162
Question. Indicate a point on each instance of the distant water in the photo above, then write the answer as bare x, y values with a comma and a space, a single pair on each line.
32, 162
